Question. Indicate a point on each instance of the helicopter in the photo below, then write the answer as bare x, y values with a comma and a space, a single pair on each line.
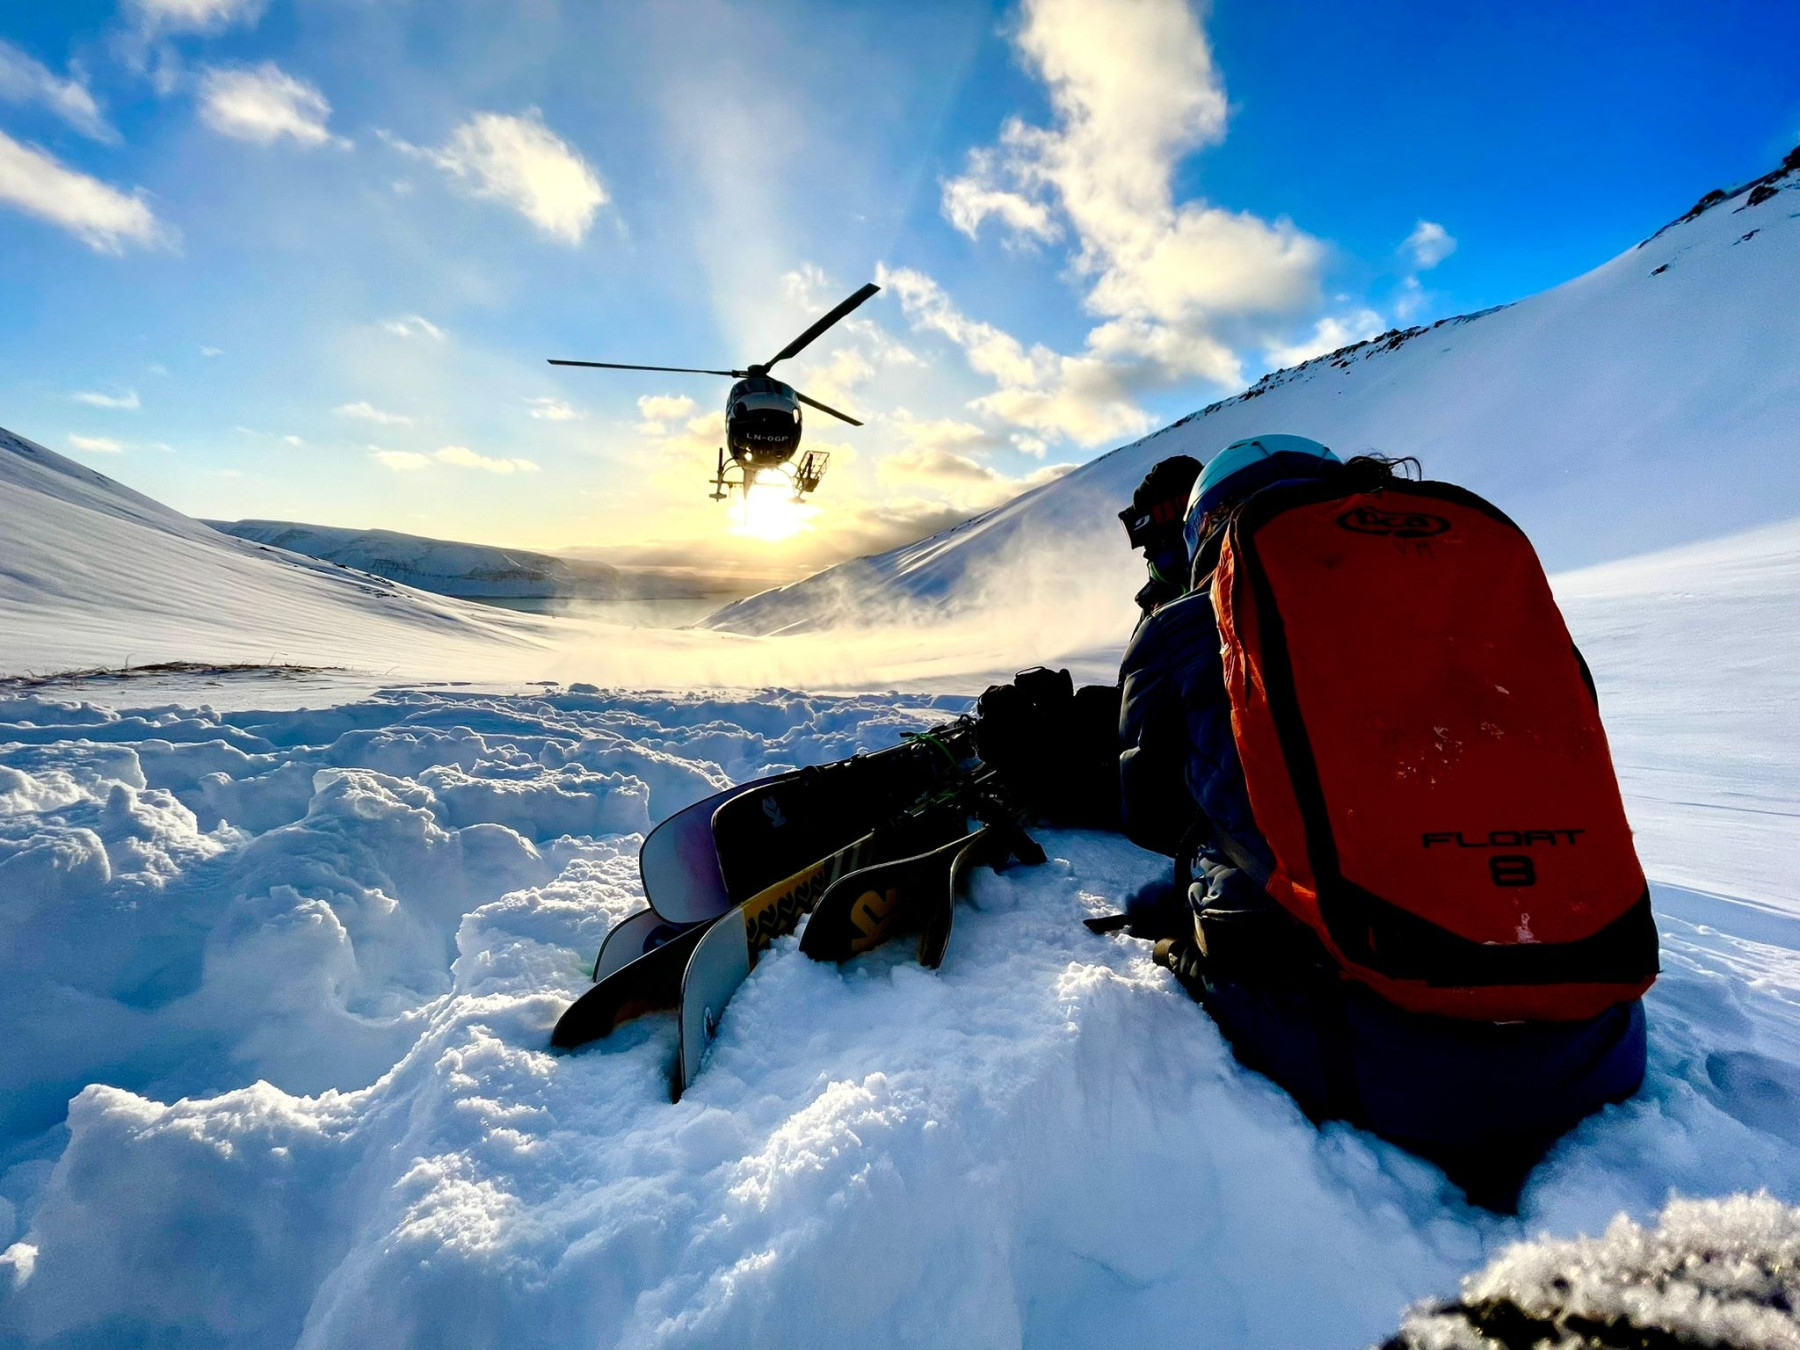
762, 415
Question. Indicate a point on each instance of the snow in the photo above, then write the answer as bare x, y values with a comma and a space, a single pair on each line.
283, 949
281, 988
1713, 1272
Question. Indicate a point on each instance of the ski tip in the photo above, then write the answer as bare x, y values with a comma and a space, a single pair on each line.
1106, 923
564, 1037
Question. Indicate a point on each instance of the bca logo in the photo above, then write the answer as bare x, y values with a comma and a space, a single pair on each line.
1394, 524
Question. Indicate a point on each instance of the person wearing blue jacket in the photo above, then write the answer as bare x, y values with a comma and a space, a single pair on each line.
1483, 1099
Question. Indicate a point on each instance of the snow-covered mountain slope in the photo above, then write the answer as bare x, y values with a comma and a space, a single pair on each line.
443, 566
95, 574
1653, 401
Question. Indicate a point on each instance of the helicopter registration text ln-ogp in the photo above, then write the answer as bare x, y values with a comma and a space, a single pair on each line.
762, 415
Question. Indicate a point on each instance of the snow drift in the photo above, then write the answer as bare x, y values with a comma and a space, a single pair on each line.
1652, 401
280, 989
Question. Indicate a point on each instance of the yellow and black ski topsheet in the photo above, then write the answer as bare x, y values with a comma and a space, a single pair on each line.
724, 958
911, 894
652, 981
648, 984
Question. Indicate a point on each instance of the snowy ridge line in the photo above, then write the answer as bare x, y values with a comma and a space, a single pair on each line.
1757, 191
276, 1071
1573, 410
100, 576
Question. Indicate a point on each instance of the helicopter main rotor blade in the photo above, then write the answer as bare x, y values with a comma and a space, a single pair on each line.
799, 344
814, 403
677, 370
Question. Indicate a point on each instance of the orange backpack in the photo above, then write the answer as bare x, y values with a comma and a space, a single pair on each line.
1424, 755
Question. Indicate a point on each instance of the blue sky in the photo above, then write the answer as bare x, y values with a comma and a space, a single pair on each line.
305, 258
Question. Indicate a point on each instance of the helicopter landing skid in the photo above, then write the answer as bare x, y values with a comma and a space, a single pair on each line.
803, 478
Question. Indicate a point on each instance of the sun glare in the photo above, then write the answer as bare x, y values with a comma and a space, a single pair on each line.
769, 512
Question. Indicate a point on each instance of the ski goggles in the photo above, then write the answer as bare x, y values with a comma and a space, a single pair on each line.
1147, 527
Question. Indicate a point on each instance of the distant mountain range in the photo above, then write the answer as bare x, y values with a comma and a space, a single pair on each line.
468, 571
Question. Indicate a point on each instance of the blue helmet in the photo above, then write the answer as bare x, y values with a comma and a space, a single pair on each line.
1244, 466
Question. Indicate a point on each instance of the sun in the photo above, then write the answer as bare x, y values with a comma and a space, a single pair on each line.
770, 513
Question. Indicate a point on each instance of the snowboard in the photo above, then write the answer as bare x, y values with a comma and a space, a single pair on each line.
630, 985
774, 830
754, 859
679, 864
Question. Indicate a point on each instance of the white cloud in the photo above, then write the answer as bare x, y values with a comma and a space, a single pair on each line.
658, 410
367, 412
1329, 334
465, 458
102, 217
1429, 244
400, 461
552, 410
263, 104
933, 464
972, 198
194, 16
967, 483
943, 433
212, 351
100, 444
665, 407
1087, 399
521, 162
1034, 446
1134, 91
128, 401
412, 325
24, 79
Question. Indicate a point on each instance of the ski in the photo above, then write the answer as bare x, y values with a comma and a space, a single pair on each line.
649, 983
631, 938
724, 958
916, 893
